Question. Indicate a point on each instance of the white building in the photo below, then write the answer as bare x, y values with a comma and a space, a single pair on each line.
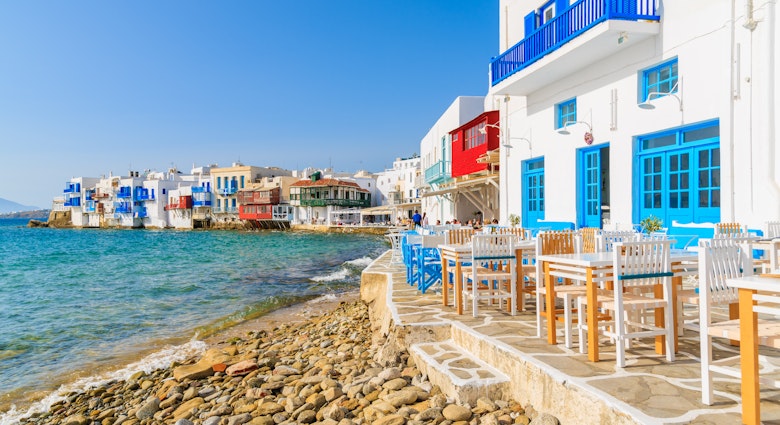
399, 186
438, 202
670, 111
76, 197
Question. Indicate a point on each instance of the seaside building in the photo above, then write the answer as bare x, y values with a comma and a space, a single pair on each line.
229, 180
399, 187
438, 201
267, 202
178, 208
328, 201
614, 111
201, 196
76, 197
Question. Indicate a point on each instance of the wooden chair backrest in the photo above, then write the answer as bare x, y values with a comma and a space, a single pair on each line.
460, 236
589, 238
556, 242
729, 228
517, 231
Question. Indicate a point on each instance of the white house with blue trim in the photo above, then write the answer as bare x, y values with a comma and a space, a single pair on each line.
614, 110
440, 201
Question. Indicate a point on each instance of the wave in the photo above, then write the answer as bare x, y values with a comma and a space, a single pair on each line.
348, 271
157, 360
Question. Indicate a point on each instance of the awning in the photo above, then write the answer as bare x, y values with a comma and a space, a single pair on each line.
380, 210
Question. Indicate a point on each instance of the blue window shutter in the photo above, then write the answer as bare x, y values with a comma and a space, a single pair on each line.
530, 23
561, 6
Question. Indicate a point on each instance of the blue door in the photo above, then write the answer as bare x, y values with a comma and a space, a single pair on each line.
533, 203
678, 175
593, 186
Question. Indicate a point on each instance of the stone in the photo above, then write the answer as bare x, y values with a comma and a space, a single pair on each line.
239, 419
262, 420
332, 393
77, 419
544, 419
318, 400
214, 420
456, 413
390, 373
430, 415
401, 398
269, 408
488, 420
241, 368
485, 405
148, 409
395, 384
189, 393
184, 422
333, 412
307, 417
390, 420
185, 409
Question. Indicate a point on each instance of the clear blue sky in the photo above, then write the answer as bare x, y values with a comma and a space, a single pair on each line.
92, 87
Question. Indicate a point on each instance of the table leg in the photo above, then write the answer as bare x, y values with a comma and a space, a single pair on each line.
748, 351
445, 281
458, 287
549, 306
592, 317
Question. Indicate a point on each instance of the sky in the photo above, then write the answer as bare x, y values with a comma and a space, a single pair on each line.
89, 88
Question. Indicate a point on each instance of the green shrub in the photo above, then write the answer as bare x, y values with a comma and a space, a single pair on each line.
651, 224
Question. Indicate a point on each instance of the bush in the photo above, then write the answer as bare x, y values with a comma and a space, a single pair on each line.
651, 224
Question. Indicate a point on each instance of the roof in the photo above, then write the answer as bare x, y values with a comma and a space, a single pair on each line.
326, 183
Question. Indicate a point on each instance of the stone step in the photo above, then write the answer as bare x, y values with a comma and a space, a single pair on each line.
457, 371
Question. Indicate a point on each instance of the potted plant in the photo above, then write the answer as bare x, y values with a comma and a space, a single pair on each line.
651, 224
514, 220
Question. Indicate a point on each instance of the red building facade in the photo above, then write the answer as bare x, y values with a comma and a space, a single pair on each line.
469, 143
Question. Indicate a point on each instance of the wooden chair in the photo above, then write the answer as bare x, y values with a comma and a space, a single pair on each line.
491, 276
521, 233
527, 287
552, 243
635, 265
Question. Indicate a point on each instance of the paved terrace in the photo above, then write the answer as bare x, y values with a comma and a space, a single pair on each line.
499, 356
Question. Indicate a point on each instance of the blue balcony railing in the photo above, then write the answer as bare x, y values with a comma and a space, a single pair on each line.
73, 202
577, 19
201, 189
90, 207
438, 172
230, 190
123, 208
140, 212
201, 202
125, 192
72, 188
144, 194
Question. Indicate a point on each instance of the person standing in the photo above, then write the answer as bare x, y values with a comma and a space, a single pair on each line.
425, 219
417, 218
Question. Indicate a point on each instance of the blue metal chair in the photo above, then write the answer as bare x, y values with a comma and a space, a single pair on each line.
429, 262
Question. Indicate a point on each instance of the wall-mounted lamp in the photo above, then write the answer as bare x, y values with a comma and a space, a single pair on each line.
564, 128
483, 131
675, 92
506, 143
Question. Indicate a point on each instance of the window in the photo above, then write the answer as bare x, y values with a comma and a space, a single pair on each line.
474, 137
547, 12
565, 112
242, 182
219, 182
659, 81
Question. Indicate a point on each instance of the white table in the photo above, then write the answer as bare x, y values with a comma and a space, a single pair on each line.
595, 268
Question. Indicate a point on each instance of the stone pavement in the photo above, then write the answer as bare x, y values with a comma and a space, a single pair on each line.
499, 355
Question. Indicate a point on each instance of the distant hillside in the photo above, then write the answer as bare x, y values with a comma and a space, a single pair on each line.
7, 206
36, 214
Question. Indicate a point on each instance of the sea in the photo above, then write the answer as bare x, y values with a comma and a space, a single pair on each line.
83, 306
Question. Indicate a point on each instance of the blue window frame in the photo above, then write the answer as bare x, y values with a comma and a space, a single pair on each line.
533, 179
565, 112
242, 182
678, 174
659, 81
219, 182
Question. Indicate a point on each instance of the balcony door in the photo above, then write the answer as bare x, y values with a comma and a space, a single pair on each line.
533, 201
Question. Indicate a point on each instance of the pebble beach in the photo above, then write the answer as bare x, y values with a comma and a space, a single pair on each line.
317, 363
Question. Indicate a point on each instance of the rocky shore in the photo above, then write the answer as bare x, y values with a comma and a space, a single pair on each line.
326, 370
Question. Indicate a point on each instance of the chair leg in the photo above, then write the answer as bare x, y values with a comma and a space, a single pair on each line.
582, 326
539, 307
706, 374
620, 342
567, 320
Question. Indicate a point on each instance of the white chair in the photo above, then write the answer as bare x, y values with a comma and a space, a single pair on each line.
718, 263
635, 265
607, 238
396, 239
492, 274
772, 230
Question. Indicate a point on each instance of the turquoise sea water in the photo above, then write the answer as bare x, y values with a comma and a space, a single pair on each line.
75, 302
